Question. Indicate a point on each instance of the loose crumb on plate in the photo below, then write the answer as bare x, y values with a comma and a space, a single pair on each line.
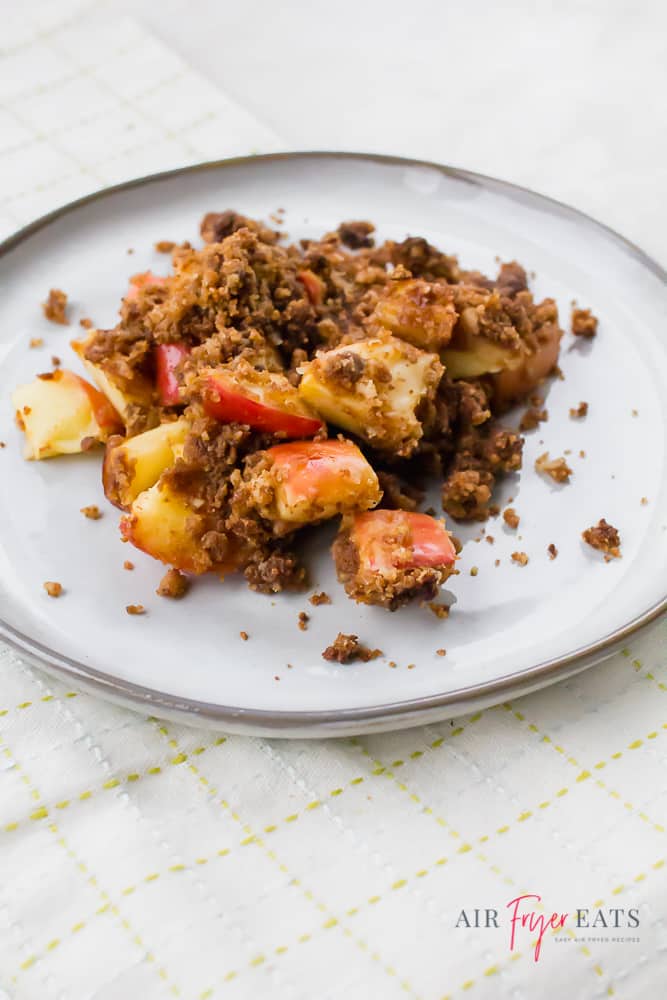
532, 418
3, 444
439, 610
164, 246
578, 412
441, 652
321, 598
245, 637
135, 609
304, 618
173, 584
53, 588
36, 342
584, 323
635, 413
556, 468
490, 539
511, 518
552, 550
92, 512
520, 557
55, 307
643, 501
128, 565
497, 562
346, 648
55, 361
604, 537
474, 570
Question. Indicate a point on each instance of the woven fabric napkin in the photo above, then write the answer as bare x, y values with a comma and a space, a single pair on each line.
144, 859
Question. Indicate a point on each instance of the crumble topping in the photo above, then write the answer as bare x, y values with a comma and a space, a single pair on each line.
173, 584
346, 648
584, 323
556, 468
53, 588
520, 557
55, 307
511, 518
604, 537
578, 412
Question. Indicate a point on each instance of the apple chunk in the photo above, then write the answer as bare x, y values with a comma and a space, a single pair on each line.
132, 465
62, 414
309, 481
421, 312
373, 388
390, 557
161, 523
122, 396
168, 357
263, 400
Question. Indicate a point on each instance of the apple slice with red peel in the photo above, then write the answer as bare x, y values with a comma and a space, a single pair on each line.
313, 285
265, 401
167, 359
389, 557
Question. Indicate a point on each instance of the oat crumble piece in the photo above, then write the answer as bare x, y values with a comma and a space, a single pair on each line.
128, 565
3, 444
511, 518
304, 618
556, 468
164, 246
474, 570
578, 412
520, 557
490, 539
55, 307
441, 652
173, 584
135, 609
584, 323
552, 550
635, 413
86, 323
55, 361
53, 588
321, 598
346, 648
36, 342
582, 454
497, 562
439, 610
244, 636
532, 418
604, 537
644, 501
92, 512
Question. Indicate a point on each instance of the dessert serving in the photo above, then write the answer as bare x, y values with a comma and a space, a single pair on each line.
260, 389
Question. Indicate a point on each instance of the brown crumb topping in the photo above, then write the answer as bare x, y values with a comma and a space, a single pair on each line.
53, 588
244, 636
578, 412
55, 361
511, 518
36, 342
604, 537
556, 468
643, 501
128, 565
321, 598
346, 648
173, 584
441, 652
303, 620
55, 307
164, 246
86, 323
474, 570
135, 609
439, 610
3, 444
520, 557
532, 418
584, 323
92, 512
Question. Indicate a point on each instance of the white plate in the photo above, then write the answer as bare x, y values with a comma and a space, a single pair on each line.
512, 628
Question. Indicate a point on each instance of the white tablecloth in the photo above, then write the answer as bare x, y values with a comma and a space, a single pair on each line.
143, 859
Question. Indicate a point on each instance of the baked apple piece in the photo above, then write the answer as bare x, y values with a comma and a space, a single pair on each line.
62, 414
124, 396
373, 388
263, 400
132, 465
161, 523
168, 358
421, 312
304, 482
390, 557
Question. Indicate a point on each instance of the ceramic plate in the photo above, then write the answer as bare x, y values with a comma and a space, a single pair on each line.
512, 629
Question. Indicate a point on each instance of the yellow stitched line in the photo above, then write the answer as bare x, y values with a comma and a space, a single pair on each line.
252, 837
585, 774
45, 811
90, 878
640, 669
22, 706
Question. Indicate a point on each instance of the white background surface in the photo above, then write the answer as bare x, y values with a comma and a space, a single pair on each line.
567, 97
144, 859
